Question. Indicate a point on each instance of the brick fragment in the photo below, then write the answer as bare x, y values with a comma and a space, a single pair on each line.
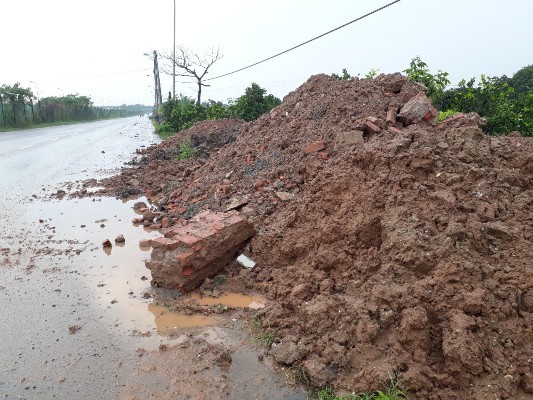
314, 147
391, 116
372, 127
176, 260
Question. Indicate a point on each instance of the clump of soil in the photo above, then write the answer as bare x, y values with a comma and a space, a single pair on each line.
405, 250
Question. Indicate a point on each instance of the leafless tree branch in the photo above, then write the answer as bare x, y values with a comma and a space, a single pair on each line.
193, 65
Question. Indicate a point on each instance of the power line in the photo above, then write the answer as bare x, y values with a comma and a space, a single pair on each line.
304, 43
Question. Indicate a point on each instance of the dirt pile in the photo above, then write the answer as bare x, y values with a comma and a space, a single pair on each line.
384, 248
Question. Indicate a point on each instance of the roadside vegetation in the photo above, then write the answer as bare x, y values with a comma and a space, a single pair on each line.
506, 103
21, 109
390, 391
182, 112
262, 335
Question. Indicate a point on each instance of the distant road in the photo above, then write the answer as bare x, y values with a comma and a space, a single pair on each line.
48, 156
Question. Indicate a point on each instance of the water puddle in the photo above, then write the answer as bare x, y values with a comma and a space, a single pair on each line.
68, 236
237, 300
166, 320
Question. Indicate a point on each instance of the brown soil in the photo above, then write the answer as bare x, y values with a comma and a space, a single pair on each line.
408, 254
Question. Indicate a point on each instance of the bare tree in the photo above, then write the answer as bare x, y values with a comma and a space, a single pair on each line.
194, 65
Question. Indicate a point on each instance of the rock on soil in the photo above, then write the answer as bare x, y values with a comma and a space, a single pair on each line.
405, 248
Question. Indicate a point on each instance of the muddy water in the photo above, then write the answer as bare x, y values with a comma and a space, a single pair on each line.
116, 276
166, 320
229, 300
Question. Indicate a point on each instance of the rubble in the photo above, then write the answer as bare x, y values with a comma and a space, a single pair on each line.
190, 253
405, 248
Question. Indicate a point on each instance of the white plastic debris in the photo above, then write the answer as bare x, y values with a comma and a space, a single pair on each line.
245, 261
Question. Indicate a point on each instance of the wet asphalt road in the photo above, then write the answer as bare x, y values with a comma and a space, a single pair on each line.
53, 277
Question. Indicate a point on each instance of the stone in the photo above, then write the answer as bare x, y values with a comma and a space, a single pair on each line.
144, 243
149, 215
314, 147
285, 353
237, 202
418, 109
120, 239
106, 243
394, 130
140, 204
198, 250
349, 138
284, 196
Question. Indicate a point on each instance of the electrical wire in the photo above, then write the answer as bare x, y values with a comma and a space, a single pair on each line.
304, 43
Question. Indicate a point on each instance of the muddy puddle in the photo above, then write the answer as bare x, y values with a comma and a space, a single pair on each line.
75, 229
234, 300
90, 310
166, 320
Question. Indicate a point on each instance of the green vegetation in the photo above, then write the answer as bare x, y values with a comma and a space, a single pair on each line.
186, 151
220, 280
436, 83
344, 77
254, 103
391, 391
264, 336
20, 109
183, 112
445, 114
506, 103
372, 73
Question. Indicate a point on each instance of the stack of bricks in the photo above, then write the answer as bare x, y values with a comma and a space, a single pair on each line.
188, 254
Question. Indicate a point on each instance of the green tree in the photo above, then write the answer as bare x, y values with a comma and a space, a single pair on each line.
492, 98
253, 103
522, 81
418, 71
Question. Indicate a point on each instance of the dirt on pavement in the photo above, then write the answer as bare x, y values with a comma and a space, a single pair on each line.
384, 249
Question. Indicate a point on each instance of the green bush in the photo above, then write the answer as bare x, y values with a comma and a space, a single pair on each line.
253, 103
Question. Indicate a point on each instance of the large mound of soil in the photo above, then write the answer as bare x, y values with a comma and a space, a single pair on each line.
404, 251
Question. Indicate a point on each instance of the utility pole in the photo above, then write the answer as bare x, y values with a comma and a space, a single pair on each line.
157, 85
174, 57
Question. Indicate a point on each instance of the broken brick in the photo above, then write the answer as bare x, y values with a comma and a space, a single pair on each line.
175, 260
314, 147
372, 128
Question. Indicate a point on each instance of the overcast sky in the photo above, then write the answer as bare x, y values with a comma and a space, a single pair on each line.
96, 47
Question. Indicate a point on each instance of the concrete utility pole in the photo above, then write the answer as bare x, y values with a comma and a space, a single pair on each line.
157, 86
174, 57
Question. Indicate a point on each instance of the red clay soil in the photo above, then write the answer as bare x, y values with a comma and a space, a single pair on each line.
404, 251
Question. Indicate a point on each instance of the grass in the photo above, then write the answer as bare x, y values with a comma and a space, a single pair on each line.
186, 151
220, 280
260, 334
391, 391
297, 374
48, 124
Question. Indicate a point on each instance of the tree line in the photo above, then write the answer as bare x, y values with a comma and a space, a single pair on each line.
19, 108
